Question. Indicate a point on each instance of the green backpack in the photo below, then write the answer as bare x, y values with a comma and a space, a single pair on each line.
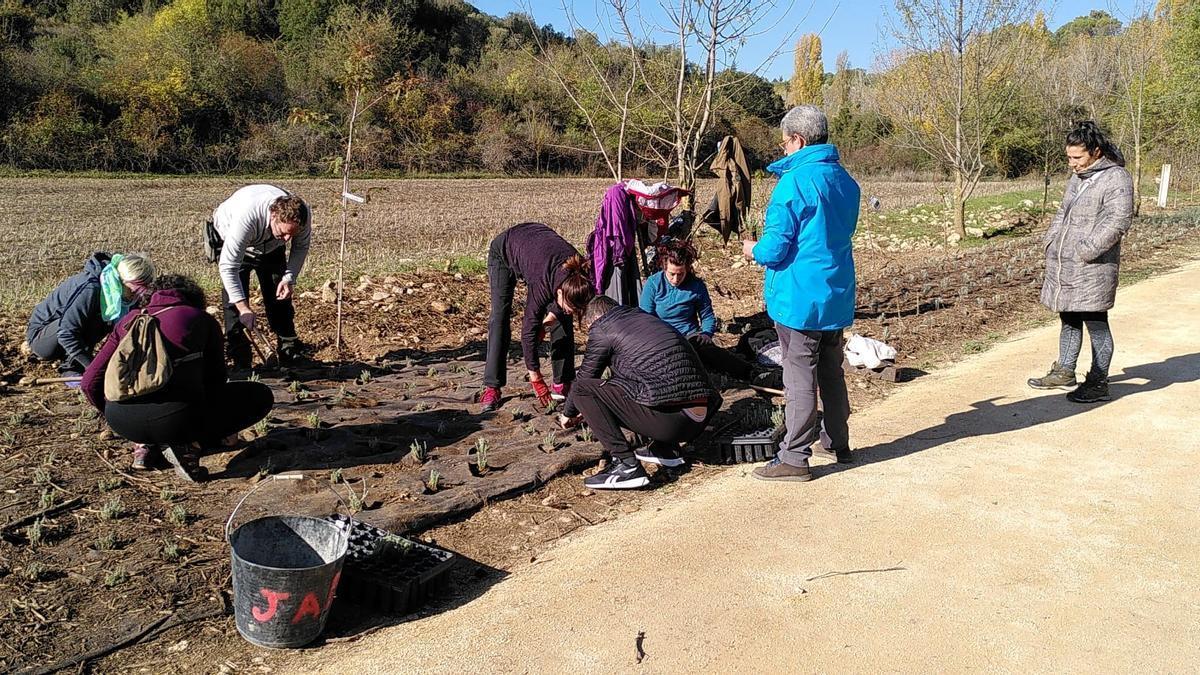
141, 364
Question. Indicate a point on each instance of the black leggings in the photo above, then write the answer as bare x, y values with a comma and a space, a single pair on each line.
236, 406
281, 314
503, 281
1070, 340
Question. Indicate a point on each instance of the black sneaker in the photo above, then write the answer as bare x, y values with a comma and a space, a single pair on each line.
660, 454
289, 351
1093, 390
619, 475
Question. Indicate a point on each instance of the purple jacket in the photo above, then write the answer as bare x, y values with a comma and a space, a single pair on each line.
187, 329
614, 238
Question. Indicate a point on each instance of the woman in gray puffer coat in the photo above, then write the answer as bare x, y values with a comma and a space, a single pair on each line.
1083, 255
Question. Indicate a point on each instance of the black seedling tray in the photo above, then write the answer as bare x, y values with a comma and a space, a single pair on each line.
386, 579
753, 446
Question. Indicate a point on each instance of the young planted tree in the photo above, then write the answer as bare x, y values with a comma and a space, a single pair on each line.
948, 87
1141, 90
809, 73
361, 54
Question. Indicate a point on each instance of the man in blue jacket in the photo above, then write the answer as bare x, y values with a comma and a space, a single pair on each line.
809, 287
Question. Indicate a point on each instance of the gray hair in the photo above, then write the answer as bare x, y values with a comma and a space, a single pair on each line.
808, 122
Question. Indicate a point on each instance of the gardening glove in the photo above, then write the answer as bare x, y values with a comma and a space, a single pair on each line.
542, 392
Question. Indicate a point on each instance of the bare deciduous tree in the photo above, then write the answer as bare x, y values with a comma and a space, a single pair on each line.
949, 84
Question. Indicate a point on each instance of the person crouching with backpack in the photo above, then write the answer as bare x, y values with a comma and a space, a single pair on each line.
181, 405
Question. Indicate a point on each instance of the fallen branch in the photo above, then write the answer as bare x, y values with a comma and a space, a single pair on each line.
848, 573
100, 651
25, 520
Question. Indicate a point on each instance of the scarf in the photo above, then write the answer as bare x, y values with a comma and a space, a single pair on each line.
113, 305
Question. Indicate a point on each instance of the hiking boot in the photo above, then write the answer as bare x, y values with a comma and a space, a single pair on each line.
145, 456
1057, 378
289, 351
490, 399
842, 456
777, 470
542, 392
618, 475
185, 460
1093, 390
661, 454
560, 392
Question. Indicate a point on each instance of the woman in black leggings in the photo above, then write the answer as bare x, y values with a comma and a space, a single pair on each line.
197, 409
1083, 255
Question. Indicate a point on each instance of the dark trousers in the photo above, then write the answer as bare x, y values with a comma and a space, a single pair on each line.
812, 363
721, 360
281, 315
44, 344
608, 410
236, 406
503, 282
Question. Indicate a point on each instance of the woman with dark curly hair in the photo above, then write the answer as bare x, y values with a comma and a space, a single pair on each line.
677, 296
197, 409
1083, 257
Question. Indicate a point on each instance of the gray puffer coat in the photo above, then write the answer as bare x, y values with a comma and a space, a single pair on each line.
1083, 244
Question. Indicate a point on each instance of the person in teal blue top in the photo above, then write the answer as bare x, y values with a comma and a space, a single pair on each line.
809, 287
680, 298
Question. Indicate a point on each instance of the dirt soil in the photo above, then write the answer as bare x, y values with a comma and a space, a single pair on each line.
118, 553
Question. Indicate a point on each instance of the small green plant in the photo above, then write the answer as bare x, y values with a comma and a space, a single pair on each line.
410, 385
41, 476
397, 543
115, 577
586, 434
431, 372
434, 481
112, 509
253, 377
46, 500
178, 515
549, 441
358, 501
421, 406
313, 420
35, 571
171, 550
335, 476
295, 387
260, 427
167, 494
460, 369
34, 533
109, 484
481, 454
106, 542
419, 451
364, 377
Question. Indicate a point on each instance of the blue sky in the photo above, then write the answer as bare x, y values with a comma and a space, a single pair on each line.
851, 26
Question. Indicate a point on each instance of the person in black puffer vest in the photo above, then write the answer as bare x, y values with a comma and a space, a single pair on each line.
658, 389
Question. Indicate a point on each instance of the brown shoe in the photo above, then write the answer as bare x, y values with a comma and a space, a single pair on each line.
777, 470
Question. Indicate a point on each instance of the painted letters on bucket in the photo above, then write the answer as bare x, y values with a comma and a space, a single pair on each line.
309, 606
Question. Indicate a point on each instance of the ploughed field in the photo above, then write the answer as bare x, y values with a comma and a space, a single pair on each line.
116, 552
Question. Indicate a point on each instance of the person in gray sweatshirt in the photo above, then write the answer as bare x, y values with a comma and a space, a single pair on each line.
250, 231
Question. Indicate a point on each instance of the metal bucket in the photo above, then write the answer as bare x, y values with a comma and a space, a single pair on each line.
285, 574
